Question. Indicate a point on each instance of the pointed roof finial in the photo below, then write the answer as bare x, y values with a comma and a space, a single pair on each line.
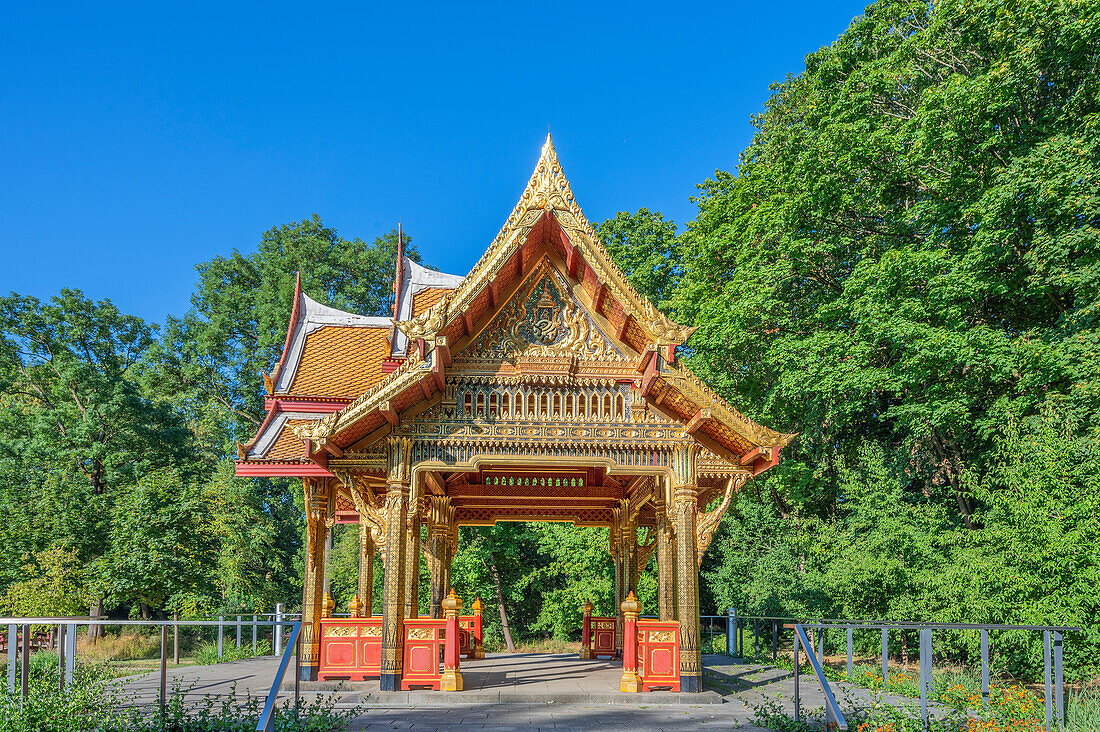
400, 269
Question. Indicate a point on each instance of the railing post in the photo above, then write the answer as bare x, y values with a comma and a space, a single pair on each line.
925, 673
630, 681
176, 639
885, 655
163, 671
1059, 699
221, 632
297, 668
255, 637
452, 676
821, 644
1046, 679
61, 657
985, 668
479, 635
277, 630
731, 632
13, 655
851, 670
756, 639
586, 631
775, 640
25, 662
70, 653
797, 707
238, 631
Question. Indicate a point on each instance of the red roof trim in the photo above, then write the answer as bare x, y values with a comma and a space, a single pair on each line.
305, 404
282, 470
290, 328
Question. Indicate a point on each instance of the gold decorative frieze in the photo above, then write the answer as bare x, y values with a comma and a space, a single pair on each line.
421, 633
342, 631
661, 636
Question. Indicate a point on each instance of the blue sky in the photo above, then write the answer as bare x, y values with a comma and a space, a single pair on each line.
139, 140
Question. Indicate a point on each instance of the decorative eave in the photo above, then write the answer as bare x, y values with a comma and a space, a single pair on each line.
413, 279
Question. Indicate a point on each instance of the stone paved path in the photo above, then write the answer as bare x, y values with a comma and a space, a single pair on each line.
528, 691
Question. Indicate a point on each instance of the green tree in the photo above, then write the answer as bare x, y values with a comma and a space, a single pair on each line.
77, 429
213, 356
647, 250
161, 545
53, 586
908, 252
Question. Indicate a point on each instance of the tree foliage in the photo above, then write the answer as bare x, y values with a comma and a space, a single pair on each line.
903, 270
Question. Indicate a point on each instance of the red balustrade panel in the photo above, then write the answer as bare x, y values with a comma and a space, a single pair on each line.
351, 648
659, 654
422, 654
603, 637
466, 636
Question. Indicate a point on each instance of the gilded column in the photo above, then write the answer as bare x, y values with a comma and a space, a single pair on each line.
412, 554
366, 570
685, 496
440, 520
393, 593
318, 503
666, 557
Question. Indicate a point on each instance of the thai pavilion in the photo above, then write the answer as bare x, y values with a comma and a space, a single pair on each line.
539, 387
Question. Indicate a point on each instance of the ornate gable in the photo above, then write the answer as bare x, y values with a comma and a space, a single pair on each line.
543, 320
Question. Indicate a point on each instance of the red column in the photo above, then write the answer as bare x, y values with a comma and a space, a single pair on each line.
452, 678
630, 680
479, 649
586, 631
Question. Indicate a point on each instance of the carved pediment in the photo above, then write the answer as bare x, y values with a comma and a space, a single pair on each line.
543, 320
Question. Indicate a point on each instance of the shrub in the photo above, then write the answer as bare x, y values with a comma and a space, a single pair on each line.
93, 702
208, 654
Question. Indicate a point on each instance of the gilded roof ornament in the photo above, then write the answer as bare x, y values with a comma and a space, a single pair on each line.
318, 430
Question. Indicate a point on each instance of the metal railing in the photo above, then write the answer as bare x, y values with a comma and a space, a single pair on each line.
736, 627
833, 715
267, 718
19, 647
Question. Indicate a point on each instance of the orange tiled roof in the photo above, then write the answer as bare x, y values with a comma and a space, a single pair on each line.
340, 362
287, 446
427, 298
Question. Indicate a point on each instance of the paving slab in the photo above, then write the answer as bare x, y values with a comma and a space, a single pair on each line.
530, 692
520, 678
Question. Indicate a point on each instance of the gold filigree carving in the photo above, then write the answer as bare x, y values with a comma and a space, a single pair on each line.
318, 430
342, 631
543, 321
707, 523
421, 633
661, 636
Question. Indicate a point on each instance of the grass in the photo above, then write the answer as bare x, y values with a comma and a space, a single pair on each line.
123, 647
208, 653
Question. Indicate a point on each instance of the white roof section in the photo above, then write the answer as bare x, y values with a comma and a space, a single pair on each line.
414, 279
311, 316
267, 438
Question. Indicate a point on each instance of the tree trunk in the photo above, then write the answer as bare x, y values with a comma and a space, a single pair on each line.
491, 564
95, 610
